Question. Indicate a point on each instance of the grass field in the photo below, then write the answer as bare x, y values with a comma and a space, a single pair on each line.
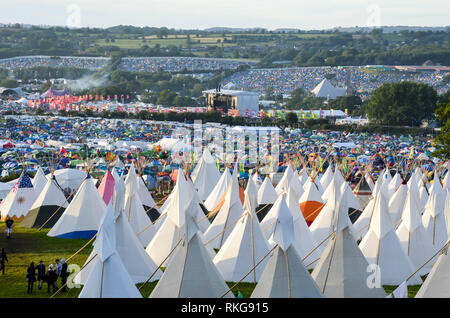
31, 245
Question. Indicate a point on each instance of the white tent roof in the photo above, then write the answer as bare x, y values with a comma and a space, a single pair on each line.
83, 215
416, 242
108, 277
397, 202
382, 247
437, 283
69, 178
51, 195
242, 250
285, 276
327, 90
19, 199
39, 180
190, 273
327, 177
434, 217
231, 210
218, 190
134, 209
266, 193
205, 175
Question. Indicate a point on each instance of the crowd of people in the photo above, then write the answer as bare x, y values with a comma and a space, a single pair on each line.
177, 64
60, 61
50, 276
134, 64
361, 79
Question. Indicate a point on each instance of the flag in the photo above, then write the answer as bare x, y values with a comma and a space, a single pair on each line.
25, 182
411, 153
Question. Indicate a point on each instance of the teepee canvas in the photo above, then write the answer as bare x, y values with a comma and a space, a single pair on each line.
285, 275
19, 199
47, 208
82, 217
108, 277
382, 247
190, 273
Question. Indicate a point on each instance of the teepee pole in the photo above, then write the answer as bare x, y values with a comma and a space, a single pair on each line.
159, 266
67, 199
223, 295
57, 292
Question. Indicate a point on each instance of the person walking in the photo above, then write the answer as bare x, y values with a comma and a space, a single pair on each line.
57, 270
9, 225
3, 259
51, 278
64, 274
40, 274
31, 277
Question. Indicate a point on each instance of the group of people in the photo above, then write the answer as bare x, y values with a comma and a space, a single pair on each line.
50, 276
285, 80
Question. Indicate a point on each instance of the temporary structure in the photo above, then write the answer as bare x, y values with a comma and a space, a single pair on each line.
283, 185
228, 215
47, 208
395, 183
397, 203
303, 240
205, 175
218, 191
416, 242
433, 218
39, 181
382, 247
190, 273
251, 196
266, 197
108, 277
285, 275
170, 231
147, 200
310, 202
106, 187
134, 209
323, 225
342, 269
437, 283
82, 217
327, 177
70, 179
136, 261
361, 226
363, 192
19, 199
369, 181
242, 250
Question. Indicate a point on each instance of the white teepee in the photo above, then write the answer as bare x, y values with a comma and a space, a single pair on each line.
108, 277
218, 191
190, 273
82, 217
382, 247
285, 275
342, 271
205, 175
242, 250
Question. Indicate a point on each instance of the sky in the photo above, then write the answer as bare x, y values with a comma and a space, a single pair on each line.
201, 14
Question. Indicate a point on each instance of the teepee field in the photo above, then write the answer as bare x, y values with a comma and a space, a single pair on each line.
30, 245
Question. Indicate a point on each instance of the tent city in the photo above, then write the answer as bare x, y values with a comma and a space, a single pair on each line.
225, 150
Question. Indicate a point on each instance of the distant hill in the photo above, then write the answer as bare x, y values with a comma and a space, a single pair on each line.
390, 29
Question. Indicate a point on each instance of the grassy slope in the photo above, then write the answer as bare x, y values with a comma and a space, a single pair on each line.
31, 245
